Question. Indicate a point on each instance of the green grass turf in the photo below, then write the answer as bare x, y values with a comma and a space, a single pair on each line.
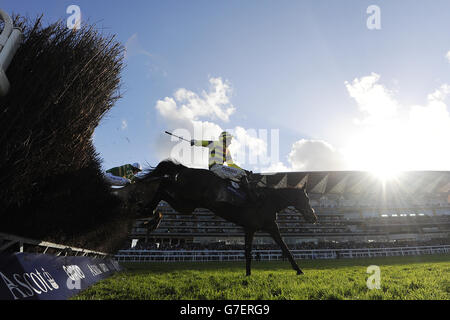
414, 277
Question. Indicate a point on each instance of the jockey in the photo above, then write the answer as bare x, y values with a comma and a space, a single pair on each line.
123, 175
218, 155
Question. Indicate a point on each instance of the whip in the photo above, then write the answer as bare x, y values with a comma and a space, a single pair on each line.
181, 138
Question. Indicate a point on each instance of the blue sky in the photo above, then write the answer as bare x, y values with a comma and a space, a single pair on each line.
290, 66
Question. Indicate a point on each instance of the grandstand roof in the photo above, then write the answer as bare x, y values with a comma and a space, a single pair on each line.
359, 182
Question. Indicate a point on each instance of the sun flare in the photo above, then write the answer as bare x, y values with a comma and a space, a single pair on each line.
385, 174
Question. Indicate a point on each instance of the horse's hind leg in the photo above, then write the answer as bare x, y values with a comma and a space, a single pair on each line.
275, 233
248, 250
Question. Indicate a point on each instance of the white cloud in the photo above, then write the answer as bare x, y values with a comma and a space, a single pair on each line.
417, 140
187, 105
192, 115
124, 124
315, 155
448, 56
377, 105
439, 94
277, 167
428, 131
373, 99
248, 148
310, 155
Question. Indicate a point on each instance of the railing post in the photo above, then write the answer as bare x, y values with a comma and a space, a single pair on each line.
10, 39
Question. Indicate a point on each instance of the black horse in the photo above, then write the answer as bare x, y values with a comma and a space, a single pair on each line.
186, 189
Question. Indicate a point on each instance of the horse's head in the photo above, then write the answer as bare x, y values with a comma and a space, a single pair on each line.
303, 206
137, 196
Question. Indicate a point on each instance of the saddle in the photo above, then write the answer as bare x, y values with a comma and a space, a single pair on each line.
237, 193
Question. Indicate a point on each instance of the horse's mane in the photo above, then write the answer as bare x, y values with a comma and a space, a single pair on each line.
165, 167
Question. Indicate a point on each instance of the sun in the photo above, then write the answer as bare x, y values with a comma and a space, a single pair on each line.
382, 150
385, 174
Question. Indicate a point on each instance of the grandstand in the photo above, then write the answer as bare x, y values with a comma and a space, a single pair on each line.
354, 209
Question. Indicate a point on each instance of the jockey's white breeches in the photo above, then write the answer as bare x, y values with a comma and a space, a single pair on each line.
226, 172
116, 181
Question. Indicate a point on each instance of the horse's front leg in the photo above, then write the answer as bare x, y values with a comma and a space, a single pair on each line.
248, 250
275, 233
151, 206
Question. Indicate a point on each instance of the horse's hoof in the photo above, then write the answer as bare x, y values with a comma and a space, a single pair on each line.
299, 272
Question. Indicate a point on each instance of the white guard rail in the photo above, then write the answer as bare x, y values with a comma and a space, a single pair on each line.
8, 241
268, 255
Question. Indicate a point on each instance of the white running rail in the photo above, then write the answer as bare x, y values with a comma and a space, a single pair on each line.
268, 255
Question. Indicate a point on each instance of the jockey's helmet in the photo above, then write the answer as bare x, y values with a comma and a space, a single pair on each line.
137, 165
225, 136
